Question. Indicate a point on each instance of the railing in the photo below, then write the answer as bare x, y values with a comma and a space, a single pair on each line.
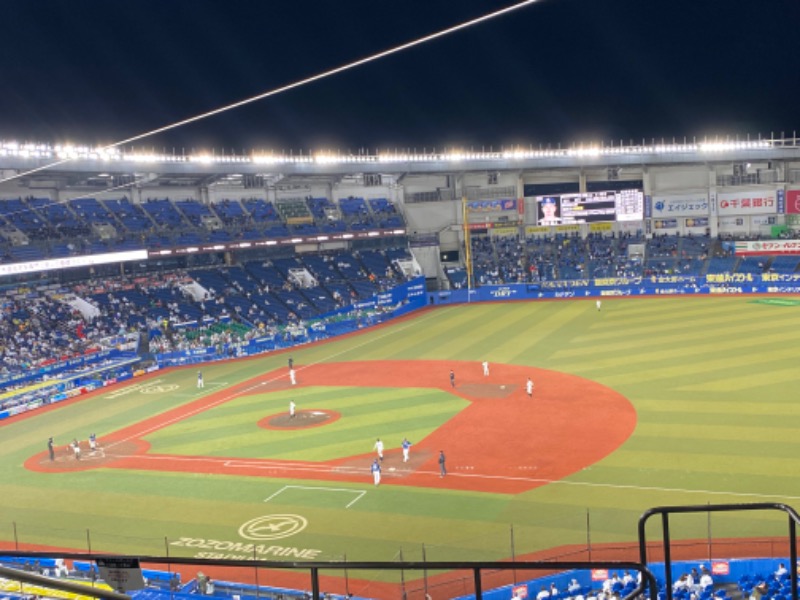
666, 511
647, 585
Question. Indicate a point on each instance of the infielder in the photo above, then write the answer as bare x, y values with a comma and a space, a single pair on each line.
529, 387
292, 377
485, 368
379, 449
292, 407
376, 472
406, 448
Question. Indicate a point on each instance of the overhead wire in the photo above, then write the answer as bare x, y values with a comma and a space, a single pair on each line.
299, 83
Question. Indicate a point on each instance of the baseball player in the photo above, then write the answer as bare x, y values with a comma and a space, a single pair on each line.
452, 378
406, 445
200, 379
76, 449
485, 368
376, 472
529, 387
379, 449
292, 377
292, 407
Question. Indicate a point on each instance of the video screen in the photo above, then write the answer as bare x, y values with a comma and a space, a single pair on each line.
592, 207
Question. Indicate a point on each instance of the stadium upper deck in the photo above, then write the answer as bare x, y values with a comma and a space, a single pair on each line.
59, 201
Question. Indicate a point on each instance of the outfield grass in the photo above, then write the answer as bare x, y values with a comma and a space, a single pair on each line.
713, 382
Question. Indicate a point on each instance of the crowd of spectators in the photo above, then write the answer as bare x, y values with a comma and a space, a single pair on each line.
37, 329
499, 260
172, 310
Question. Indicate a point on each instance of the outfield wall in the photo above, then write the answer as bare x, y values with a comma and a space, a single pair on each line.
722, 283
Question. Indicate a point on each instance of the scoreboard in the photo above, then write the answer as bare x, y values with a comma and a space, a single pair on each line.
588, 208
593, 207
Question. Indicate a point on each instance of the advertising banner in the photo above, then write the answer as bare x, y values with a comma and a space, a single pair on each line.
697, 222
492, 205
686, 205
747, 203
793, 202
767, 247
659, 224
594, 227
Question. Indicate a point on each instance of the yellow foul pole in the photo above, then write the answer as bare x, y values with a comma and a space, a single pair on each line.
467, 242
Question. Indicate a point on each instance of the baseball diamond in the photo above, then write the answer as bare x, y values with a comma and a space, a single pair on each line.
633, 407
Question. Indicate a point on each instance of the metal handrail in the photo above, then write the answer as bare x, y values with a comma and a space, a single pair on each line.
647, 580
665, 511
60, 584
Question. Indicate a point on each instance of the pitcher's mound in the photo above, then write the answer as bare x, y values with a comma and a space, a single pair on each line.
303, 418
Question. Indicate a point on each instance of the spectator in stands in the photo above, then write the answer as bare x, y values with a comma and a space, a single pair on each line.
781, 571
759, 591
543, 593
201, 582
681, 584
706, 581
613, 582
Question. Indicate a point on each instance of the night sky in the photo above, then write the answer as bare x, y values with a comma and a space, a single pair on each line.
554, 72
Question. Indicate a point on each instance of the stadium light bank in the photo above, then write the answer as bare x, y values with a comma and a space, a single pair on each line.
39, 151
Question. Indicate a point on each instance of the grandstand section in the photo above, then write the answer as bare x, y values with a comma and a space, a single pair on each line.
301, 252
276, 261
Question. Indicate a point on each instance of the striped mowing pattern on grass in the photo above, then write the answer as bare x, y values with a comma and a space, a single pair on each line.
713, 381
